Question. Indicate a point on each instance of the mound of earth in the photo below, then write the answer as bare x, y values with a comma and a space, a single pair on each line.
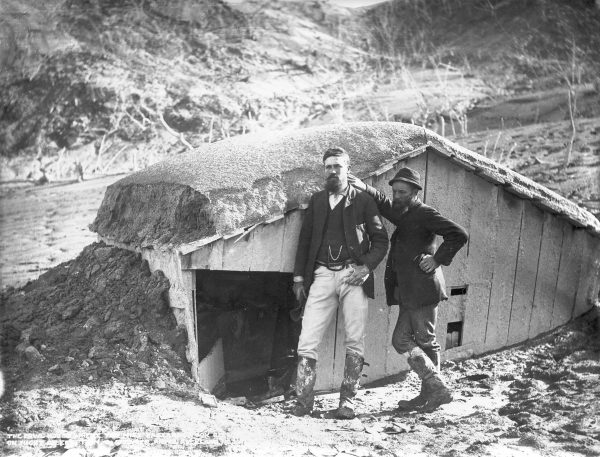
101, 316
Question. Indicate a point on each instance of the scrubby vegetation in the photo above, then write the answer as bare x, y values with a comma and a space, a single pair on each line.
92, 87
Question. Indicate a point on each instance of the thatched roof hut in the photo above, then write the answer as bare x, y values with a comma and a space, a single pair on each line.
532, 262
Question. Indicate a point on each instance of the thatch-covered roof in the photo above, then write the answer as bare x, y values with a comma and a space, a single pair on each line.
226, 186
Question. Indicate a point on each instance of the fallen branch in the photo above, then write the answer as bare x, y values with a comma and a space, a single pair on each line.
572, 106
113, 159
572, 103
176, 134
139, 124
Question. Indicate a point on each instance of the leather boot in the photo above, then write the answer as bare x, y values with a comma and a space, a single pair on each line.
437, 393
435, 358
306, 376
414, 403
421, 399
352, 369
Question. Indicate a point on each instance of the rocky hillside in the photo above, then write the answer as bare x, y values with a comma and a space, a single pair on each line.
91, 87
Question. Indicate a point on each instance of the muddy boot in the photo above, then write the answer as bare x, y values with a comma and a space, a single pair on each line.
414, 403
419, 400
437, 393
435, 358
352, 370
306, 375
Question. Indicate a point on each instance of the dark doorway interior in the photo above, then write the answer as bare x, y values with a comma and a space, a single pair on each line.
250, 312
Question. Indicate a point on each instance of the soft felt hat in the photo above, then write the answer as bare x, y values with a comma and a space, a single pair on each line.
408, 175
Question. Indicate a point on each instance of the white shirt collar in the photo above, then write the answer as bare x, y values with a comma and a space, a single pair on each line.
335, 198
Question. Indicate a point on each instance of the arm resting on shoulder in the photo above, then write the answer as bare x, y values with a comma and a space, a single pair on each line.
377, 235
384, 204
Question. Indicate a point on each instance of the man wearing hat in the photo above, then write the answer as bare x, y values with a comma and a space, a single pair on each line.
341, 241
414, 281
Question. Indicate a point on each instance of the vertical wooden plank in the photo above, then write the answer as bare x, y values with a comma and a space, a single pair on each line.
568, 276
510, 209
449, 191
267, 244
211, 369
237, 253
525, 278
545, 286
381, 182
589, 278
291, 232
481, 257
376, 340
208, 257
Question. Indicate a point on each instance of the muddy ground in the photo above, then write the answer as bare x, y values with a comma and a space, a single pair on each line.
95, 366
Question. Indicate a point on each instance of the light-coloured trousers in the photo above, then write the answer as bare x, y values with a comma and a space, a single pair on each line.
328, 292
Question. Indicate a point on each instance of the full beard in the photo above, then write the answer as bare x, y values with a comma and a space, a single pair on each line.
333, 184
399, 205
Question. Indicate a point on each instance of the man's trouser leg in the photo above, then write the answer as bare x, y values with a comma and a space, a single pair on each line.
320, 308
355, 311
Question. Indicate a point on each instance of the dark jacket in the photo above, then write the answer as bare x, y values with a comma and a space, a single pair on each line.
415, 235
366, 237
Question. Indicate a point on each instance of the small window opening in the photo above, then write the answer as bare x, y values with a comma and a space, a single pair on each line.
249, 311
458, 290
454, 334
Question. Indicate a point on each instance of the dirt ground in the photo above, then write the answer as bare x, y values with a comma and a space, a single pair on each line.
105, 375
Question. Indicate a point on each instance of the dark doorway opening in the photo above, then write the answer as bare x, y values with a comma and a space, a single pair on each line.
249, 311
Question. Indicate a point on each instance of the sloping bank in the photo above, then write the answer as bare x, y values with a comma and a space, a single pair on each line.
102, 315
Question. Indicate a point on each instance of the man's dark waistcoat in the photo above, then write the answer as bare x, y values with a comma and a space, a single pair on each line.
415, 235
366, 237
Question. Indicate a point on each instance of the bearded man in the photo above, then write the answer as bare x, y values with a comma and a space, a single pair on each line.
341, 241
414, 279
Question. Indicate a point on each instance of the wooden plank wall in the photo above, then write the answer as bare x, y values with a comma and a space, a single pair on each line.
268, 247
527, 271
547, 275
526, 274
589, 279
568, 275
508, 226
181, 297
481, 260
449, 191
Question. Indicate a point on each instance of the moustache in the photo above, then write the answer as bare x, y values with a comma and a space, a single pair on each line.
333, 177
